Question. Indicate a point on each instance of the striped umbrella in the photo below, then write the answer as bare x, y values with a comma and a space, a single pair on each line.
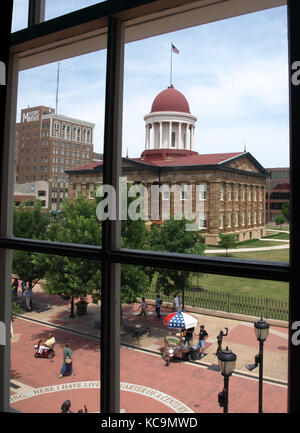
180, 320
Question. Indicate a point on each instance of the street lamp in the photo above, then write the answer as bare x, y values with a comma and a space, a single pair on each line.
227, 361
261, 329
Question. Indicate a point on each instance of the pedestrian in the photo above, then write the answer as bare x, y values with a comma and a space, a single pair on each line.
202, 337
158, 303
220, 339
15, 286
178, 302
67, 368
23, 287
65, 407
175, 303
28, 298
143, 308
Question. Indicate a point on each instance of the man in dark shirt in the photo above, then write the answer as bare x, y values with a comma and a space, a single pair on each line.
202, 337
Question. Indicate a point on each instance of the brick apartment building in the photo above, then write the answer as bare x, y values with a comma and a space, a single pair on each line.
230, 186
277, 192
47, 144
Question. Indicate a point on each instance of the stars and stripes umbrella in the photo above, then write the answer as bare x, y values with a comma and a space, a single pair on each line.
180, 320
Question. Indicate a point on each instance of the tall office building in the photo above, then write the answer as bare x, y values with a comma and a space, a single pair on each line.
47, 144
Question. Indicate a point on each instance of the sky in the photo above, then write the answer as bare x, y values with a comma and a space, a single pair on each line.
234, 74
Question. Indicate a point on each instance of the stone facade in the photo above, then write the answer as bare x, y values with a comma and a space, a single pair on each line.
232, 196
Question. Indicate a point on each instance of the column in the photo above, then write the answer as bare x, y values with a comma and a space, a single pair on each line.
179, 145
170, 135
186, 135
160, 135
192, 137
146, 137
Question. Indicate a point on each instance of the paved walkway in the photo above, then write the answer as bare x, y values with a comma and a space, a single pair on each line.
147, 384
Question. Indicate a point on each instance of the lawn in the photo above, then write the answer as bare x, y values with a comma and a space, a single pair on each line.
243, 286
248, 286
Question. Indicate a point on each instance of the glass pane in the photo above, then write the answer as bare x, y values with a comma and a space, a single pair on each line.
56, 8
193, 124
162, 316
58, 318
59, 142
20, 15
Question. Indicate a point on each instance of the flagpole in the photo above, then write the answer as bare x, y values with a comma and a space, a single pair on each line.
171, 67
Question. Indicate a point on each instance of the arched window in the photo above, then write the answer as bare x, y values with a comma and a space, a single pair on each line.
84, 135
74, 133
78, 133
63, 130
68, 132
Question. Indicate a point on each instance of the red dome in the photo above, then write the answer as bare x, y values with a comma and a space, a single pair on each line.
170, 100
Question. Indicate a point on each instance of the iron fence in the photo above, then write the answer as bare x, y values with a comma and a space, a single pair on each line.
265, 307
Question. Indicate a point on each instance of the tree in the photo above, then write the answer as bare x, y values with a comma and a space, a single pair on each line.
229, 240
74, 277
172, 236
285, 210
135, 280
280, 220
30, 222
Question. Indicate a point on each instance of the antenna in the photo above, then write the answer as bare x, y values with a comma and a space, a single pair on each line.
57, 86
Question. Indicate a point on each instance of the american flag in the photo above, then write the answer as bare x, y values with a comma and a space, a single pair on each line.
174, 49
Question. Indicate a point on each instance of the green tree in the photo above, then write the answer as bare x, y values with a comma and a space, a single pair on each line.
280, 220
172, 236
30, 222
135, 280
285, 210
229, 240
74, 277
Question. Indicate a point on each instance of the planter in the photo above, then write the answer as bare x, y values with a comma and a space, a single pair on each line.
81, 308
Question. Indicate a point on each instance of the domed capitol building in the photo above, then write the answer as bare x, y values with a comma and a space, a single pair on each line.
227, 190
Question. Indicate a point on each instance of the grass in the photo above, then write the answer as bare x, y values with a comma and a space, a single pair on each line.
244, 286
285, 228
254, 243
284, 236
248, 286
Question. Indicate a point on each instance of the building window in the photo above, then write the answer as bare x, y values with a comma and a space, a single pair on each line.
229, 219
221, 192
236, 218
173, 139
78, 190
243, 192
184, 192
249, 218
249, 193
202, 220
221, 220
202, 191
91, 190
243, 218
236, 192
229, 192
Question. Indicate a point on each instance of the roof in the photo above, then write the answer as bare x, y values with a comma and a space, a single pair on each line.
163, 158
169, 158
170, 99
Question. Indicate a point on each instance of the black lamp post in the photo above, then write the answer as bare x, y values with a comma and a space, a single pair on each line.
261, 329
227, 361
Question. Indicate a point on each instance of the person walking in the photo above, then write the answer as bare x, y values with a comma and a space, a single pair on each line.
67, 368
202, 337
143, 308
28, 298
15, 286
158, 303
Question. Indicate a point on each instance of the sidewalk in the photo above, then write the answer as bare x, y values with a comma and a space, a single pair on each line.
241, 338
